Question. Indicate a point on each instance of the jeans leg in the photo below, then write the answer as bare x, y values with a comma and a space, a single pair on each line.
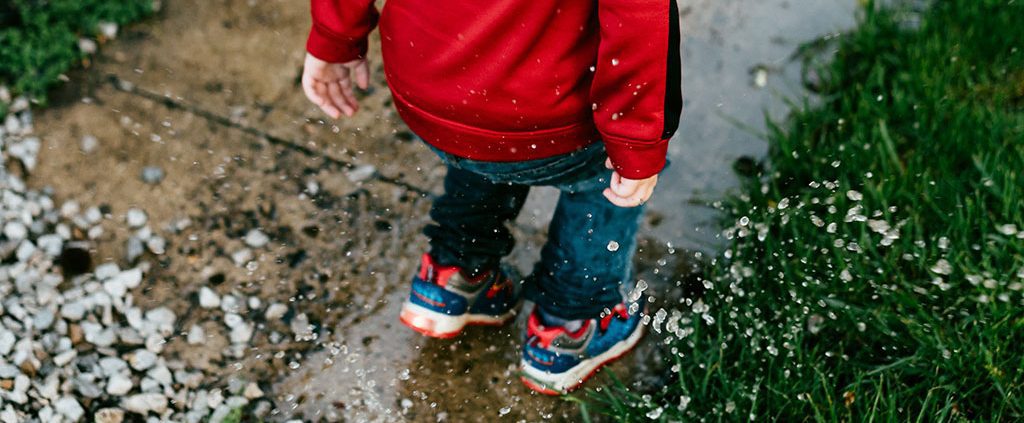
589, 254
470, 220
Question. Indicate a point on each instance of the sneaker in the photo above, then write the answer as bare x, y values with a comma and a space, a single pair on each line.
556, 361
444, 300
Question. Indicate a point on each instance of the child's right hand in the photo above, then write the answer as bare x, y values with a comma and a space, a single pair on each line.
329, 85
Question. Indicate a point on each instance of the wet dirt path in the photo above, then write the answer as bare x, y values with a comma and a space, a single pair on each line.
208, 92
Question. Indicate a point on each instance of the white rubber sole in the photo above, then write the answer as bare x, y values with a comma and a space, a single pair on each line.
438, 325
562, 383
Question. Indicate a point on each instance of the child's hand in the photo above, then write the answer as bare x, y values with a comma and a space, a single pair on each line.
624, 192
329, 85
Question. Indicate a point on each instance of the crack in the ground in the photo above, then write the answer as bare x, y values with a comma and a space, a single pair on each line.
130, 88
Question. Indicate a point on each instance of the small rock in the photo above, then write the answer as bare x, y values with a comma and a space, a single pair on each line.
108, 29
136, 218
15, 230
157, 245
98, 335
7, 340
233, 320
133, 249
252, 391
89, 143
256, 238
109, 415
65, 357
220, 413
70, 408
119, 384
241, 333
208, 298
196, 335
145, 403
161, 374
241, 257
275, 311
163, 317
111, 366
142, 359
106, 271
43, 319
152, 175
361, 173
73, 311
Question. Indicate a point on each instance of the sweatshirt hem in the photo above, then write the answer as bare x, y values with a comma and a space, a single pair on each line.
494, 146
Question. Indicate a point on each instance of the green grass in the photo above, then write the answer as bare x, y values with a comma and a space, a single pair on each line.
39, 38
872, 272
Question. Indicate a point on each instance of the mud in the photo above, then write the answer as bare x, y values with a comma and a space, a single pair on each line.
207, 91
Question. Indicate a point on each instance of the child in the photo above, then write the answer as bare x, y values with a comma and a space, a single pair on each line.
582, 95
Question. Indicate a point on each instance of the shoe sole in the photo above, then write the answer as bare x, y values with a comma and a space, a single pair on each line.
436, 325
562, 383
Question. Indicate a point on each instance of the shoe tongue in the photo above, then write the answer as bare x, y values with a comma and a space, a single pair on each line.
547, 334
436, 273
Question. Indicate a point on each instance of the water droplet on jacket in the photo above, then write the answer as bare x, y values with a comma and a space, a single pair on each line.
613, 246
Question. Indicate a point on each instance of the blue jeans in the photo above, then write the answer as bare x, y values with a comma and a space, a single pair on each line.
591, 242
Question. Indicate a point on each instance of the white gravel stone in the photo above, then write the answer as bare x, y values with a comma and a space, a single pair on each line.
361, 173
232, 320
256, 238
208, 298
163, 318
109, 415
89, 143
142, 359
43, 319
145, 403
196, 335
65, 357
241, 333
106, 271
7, 340
161, 374
157, 245
133, 249
15, 230
275, 311
87, 46
111, 366
119, 385
252, 391
70, 408
241, 257
73, 311
131, 278
136, 218
229, 304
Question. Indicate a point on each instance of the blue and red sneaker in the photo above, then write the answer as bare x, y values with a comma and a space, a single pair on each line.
444, 299
556, 361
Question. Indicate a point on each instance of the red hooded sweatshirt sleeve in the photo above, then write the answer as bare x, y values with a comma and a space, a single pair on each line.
514, 80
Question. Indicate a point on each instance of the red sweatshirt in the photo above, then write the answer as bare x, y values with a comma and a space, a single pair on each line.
513, 80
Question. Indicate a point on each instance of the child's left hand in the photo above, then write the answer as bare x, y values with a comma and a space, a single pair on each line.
624, 192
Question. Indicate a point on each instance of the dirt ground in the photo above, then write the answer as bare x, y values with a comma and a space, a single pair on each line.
207, 91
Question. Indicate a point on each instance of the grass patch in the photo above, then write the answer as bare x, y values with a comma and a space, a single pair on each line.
39, 38
875, 270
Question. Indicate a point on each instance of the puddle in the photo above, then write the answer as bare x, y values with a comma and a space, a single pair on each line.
724, 41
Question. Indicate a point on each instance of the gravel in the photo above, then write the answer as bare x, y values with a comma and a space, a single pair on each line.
74, 340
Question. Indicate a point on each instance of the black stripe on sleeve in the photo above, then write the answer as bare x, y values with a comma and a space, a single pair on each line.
673, 74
